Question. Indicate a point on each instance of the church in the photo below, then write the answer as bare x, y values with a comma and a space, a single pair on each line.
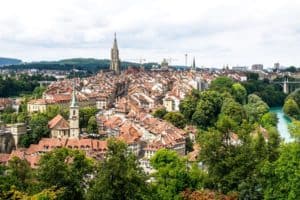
61, 128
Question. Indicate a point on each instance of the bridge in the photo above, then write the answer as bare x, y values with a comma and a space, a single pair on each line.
285, 84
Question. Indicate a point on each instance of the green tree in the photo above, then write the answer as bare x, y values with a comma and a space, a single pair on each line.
118, 176
85, 114
66, 169
92, 126
269, 119
255, 108
283, 176
291, 108
176, 118
222, 84
234, 110
39, 127
234, 166
239, 93
208, 108
188, 105
17, 174
294, 129
172, 175
160, 113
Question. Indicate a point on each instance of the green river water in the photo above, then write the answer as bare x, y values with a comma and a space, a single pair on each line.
283, 122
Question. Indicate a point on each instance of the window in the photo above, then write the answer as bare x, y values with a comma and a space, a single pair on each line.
74, 112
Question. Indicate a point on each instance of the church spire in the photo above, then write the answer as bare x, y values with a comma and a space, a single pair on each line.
74, 102
115, 64
194, 64
115, 46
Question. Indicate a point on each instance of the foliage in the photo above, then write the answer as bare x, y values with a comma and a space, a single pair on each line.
92, 126
234, 110
85, 114
239, 93
294, 129
188, 106
234, 166
270, 93
269, 120
17, 174
255, 108
282, 176
38, 91
207, 109
65, 169
172, 175
19, 84
160, 113
291, 108
176, 118
118, 176
39, 129
222, 84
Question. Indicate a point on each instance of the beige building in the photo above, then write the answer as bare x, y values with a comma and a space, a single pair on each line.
37, 105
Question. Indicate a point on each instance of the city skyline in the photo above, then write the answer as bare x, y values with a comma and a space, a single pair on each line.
216, 33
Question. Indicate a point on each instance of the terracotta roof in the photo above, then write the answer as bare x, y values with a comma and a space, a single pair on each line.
129, 133
58, 122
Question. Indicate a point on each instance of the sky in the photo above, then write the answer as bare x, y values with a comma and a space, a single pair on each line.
215, 32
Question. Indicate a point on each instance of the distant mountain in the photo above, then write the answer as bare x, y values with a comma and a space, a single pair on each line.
9, 61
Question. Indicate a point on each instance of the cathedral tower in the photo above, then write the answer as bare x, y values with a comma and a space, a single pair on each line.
115, 61
74, 116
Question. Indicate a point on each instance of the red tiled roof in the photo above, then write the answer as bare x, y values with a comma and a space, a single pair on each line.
58, 122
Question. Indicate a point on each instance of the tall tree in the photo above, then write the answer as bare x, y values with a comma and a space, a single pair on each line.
283, 176
173, 176
66, 169
239, 93
291, 108
92, 126
118, 176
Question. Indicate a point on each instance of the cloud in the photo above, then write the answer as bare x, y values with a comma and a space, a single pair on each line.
216, 32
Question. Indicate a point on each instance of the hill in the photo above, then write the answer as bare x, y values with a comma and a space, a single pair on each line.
88, 64
9, 61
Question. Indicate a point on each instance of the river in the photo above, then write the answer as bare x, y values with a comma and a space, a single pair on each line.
283, 122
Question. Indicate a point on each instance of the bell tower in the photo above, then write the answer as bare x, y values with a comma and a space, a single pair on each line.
74, 116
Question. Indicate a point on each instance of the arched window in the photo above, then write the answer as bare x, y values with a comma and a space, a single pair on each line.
74, 112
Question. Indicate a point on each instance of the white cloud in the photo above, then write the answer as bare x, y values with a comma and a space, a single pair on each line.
216, 32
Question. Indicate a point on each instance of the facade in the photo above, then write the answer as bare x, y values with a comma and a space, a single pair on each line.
39, 105
115, 64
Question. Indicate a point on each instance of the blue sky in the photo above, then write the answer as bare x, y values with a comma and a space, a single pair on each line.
216, 33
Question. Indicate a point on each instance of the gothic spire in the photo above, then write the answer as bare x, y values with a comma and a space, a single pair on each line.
194, 64
115, 46
73, 102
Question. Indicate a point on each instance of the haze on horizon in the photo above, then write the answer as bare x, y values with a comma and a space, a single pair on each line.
215, 32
